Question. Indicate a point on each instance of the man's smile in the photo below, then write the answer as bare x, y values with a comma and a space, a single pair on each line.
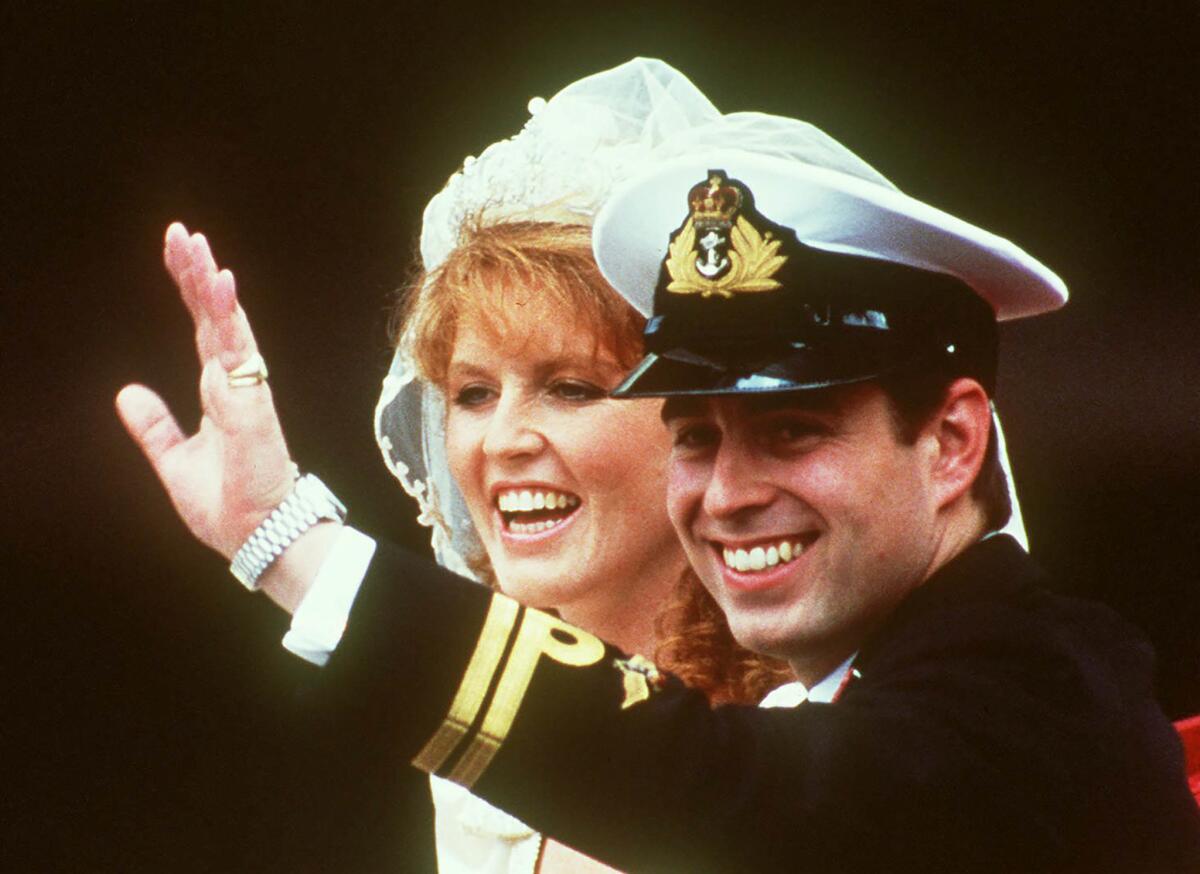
758, 563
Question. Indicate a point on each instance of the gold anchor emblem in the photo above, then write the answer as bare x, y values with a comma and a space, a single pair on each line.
737, 257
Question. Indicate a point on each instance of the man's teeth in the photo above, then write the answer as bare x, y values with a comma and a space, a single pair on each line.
525, 501
760, 557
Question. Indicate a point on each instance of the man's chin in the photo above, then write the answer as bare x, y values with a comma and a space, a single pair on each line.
762, 638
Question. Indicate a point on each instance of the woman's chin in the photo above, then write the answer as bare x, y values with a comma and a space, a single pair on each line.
542, 584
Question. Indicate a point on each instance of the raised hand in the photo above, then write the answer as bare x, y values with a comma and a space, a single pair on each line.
228, 476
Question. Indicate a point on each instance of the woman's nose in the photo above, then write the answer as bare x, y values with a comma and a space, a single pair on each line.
512, 431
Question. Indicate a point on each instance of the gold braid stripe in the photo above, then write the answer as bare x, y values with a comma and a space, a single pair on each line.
537, 637
501, 616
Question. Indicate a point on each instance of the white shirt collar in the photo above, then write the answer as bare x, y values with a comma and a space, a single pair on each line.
793, 694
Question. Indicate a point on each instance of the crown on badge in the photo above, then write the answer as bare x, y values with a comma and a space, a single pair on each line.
718, 251
714, 202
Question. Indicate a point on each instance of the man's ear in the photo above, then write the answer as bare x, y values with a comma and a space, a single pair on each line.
960, 430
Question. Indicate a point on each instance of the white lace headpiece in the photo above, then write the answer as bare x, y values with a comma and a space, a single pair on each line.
576, 148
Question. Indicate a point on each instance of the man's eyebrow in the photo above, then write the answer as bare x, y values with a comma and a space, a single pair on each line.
681, 408
809, 401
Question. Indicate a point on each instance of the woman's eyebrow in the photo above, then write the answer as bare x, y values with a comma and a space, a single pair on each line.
568, 361
578, 361
460, 369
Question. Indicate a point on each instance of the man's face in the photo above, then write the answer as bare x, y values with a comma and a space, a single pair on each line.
803, 513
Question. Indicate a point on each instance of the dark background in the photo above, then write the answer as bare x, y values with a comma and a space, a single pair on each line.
144, 685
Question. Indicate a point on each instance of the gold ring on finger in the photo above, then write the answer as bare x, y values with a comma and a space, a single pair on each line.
251, 372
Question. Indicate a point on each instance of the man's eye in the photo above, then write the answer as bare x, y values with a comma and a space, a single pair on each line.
791, 432
473, 396
693, 436
577, 391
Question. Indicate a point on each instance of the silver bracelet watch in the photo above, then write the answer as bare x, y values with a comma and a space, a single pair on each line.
309, 502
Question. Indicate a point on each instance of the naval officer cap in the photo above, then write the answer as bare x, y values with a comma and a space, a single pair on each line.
768, 257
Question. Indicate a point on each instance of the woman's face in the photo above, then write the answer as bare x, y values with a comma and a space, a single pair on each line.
566, 486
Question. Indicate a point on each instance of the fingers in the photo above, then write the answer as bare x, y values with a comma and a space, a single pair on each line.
246, 413
210, 294
177, 256
149, 423
190, 262
234, 340
258, 466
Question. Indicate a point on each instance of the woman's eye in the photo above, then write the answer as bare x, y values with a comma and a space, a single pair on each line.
472, 396
576, 391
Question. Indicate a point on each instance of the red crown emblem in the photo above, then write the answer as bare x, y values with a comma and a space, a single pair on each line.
714, 202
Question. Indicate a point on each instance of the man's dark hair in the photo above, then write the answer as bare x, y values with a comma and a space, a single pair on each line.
915, 395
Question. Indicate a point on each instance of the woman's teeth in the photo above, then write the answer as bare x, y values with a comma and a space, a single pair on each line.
531, 527
545, 509
762, 557
525, 501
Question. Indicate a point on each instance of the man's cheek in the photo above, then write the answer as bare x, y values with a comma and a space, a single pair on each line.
679, 496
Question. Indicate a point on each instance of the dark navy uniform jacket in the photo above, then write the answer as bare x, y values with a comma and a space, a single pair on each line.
992, 726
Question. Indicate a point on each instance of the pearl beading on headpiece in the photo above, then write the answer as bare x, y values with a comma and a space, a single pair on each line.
574, 149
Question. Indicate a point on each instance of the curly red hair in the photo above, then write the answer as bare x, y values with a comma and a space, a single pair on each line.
695, 644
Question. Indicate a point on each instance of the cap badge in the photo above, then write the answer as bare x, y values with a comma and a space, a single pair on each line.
718, 251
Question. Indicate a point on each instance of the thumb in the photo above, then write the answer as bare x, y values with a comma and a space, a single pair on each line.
149, 422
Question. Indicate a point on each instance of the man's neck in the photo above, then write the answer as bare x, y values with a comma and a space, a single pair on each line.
963, 528
811, 668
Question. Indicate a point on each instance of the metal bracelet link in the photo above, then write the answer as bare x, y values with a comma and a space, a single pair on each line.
309, 502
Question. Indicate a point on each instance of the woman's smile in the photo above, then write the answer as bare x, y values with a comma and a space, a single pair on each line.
534, 513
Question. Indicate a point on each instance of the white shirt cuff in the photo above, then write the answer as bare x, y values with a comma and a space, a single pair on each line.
320, 620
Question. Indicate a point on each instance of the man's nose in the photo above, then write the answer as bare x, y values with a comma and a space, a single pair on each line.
737, 483
512, 431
